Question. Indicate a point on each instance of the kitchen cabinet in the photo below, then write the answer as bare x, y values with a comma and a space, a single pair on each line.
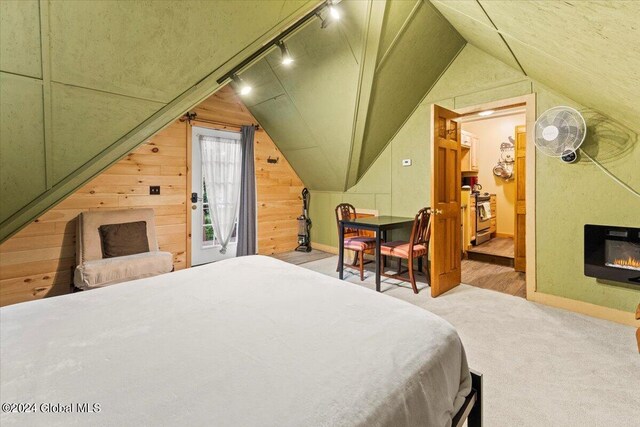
473, 153
468, 219
469, 155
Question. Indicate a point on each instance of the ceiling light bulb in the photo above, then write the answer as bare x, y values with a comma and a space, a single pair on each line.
286, 56
486, 113
334, 12
244, 88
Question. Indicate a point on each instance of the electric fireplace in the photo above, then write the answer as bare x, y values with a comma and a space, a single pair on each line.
612, 253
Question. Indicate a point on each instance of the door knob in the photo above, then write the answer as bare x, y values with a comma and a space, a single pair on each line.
436, 211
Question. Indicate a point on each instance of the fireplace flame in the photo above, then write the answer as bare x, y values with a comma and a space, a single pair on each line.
629, 262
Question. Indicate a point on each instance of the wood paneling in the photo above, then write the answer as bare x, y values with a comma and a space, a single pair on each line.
39, 260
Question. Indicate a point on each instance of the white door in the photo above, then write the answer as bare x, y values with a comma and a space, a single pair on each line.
205, 247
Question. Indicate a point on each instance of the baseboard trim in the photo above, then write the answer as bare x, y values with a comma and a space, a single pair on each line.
593, 310
325, 248
506, 235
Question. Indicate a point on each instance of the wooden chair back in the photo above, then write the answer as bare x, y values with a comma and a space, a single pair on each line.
346, 211
421, 230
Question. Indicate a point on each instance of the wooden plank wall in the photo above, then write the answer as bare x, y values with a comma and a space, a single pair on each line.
38, 261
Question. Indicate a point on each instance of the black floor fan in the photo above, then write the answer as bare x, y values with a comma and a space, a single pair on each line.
304, 225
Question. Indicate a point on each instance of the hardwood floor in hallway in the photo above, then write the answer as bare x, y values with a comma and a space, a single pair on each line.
494, 277
498, 246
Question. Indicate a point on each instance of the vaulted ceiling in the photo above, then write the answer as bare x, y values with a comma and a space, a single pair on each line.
83, 83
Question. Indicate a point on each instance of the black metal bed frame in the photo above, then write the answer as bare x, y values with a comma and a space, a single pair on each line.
471, 410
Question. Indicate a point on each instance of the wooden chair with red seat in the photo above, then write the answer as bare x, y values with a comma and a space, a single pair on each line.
353, 240
417, 247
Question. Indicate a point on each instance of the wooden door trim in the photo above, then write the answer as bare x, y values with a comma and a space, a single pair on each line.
529, 102
517, 207
189, 131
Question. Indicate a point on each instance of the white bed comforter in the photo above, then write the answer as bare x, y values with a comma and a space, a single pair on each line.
250, 341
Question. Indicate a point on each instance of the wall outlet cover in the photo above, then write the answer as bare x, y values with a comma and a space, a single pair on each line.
406, 162
154, 190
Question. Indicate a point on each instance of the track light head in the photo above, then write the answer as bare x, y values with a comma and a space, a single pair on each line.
242, 87
334, 12
287, 59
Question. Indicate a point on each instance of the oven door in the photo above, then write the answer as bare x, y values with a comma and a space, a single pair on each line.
483, 224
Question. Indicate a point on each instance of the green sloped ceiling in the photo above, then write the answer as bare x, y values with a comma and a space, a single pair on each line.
587, 50
83, 83
351, 87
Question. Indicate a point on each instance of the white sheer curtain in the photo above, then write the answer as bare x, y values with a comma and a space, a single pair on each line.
221, 169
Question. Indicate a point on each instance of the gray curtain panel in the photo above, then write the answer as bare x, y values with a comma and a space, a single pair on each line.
247, 216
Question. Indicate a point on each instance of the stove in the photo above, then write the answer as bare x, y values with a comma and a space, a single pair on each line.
482, 225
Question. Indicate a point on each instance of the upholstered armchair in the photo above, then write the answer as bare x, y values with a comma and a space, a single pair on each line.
117, 246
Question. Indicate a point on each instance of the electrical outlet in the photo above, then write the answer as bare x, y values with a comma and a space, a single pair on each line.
406, 162
154, 190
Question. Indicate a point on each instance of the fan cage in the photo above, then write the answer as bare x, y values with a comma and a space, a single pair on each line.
570, 136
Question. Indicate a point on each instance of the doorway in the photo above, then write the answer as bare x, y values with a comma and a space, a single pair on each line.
206, 245
495, 168
493, 189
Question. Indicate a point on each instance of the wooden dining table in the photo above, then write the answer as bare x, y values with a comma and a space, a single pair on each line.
379, 225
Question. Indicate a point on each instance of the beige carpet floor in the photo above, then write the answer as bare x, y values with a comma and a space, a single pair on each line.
542, 366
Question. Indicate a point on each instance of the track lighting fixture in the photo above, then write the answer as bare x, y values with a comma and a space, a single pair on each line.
327, 12
287, 59
244, 88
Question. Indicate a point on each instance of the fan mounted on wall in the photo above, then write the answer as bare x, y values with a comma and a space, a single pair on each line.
559, 132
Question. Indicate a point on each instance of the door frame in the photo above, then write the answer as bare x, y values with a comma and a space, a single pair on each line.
529, 102
189, 133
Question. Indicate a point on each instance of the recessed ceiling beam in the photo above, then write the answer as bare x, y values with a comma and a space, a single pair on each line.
368, 64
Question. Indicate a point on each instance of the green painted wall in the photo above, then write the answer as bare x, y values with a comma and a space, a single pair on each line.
567, 196
85, 82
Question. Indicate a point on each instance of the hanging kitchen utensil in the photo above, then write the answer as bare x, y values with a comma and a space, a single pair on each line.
504, 168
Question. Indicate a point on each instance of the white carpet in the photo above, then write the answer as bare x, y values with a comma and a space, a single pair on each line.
542, 366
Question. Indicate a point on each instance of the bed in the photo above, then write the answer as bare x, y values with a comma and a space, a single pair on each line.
249, 341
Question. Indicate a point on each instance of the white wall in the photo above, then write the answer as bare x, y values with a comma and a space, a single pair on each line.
491, 133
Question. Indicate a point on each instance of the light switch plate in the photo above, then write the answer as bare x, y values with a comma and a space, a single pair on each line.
406, 162
154, 190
